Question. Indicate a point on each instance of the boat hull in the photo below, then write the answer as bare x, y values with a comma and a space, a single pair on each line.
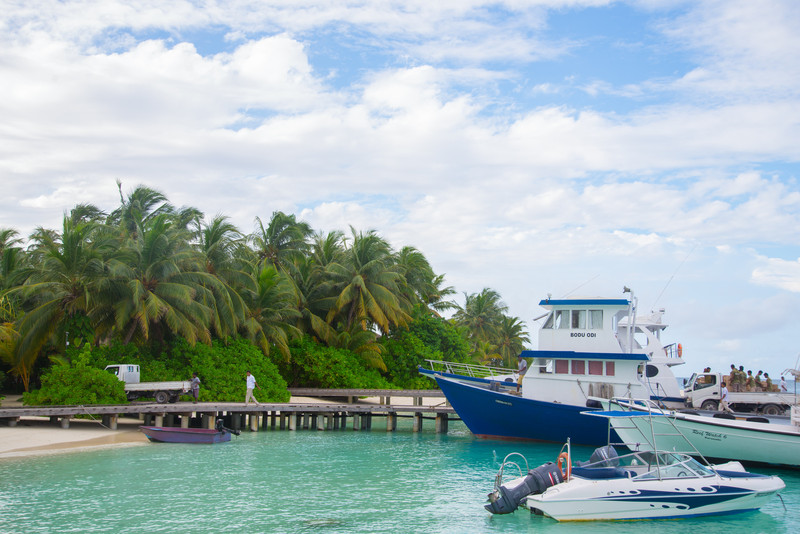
626, 499
184, 435
497, 414
766, 443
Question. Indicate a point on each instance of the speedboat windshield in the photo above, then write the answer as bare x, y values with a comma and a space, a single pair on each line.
649, 466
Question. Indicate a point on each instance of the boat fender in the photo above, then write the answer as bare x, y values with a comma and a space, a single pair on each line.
564, 465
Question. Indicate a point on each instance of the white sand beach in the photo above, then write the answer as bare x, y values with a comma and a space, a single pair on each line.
38, 435
34, 436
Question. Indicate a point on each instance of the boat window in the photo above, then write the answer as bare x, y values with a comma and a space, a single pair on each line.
562, 319
609, 368
579, 319
578, 367
652, 371
595, 368
549, 322
562, 367
595, 319
545, 365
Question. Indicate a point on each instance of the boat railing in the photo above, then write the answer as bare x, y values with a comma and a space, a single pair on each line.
473, 370
498, 479
650, 435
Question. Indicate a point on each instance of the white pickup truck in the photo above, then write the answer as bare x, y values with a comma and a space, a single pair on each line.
703, 391
163, 392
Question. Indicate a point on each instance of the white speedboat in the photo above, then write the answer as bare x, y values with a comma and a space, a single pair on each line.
646, 484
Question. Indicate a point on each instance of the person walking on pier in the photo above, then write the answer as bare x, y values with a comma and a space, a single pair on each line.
195, 387
723, 400
251, 385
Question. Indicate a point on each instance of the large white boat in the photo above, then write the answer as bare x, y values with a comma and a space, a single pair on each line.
588, 347
649, 483
743, 437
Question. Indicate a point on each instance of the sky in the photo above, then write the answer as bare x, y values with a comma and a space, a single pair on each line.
546, 147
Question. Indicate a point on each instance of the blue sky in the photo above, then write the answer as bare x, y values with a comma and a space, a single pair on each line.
564, 147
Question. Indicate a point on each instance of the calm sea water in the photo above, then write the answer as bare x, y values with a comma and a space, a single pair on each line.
309, 481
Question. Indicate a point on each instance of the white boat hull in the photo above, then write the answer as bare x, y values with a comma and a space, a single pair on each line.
769, 443
625, 499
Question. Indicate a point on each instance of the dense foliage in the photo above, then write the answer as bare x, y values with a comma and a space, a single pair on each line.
77, 384
183, 293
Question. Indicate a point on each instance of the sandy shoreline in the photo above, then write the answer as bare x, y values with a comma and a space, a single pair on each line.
34, 436
38, 436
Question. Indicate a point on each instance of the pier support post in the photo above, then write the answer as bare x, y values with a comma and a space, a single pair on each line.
417, 427
110, 421
305, 421
159, 419
185, 418
209, 420
391, 422
293, 417
253, 422
64, 421
283, 421
441, 423
356, 421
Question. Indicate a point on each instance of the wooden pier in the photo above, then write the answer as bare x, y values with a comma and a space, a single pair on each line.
321, 415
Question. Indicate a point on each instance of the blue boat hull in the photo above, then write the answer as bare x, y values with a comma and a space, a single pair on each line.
493, 414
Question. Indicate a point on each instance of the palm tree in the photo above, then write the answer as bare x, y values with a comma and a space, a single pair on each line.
161, 286
218, 246
271, 312
61, 287
511, 339
367, 283
135, 211
282, 242
481, 316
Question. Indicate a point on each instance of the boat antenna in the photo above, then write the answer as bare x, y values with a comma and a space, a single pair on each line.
673, 275
580, 286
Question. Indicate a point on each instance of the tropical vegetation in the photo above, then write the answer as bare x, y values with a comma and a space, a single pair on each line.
167, 288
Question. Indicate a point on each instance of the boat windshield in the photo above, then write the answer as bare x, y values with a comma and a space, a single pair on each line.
648, 466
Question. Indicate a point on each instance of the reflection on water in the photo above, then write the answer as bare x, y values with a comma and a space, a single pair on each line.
307, 481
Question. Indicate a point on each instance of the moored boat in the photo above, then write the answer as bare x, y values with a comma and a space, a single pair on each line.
588, 347
742, 437
165, 434
649, 483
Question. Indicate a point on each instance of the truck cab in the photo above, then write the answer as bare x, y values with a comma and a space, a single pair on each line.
128, 373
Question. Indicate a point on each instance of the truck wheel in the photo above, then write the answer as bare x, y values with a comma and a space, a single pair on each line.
709, 405
162, 397
772, 409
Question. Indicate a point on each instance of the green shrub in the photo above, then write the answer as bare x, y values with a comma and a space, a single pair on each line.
317, 366
77, 383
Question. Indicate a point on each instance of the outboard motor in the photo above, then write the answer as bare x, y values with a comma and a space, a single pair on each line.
220, 427
606, 454
506, 498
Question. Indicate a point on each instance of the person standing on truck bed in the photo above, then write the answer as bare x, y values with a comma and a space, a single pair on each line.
195, 387
749, 385
251, 384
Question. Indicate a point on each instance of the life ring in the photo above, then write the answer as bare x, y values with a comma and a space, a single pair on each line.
566, 470
680, 350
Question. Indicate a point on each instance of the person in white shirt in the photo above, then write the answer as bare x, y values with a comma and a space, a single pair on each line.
723, 400
251, 385
522, 368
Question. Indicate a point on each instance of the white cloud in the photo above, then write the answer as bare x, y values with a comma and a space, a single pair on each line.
779, 273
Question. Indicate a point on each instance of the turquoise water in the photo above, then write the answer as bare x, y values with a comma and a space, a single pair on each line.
309, 481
